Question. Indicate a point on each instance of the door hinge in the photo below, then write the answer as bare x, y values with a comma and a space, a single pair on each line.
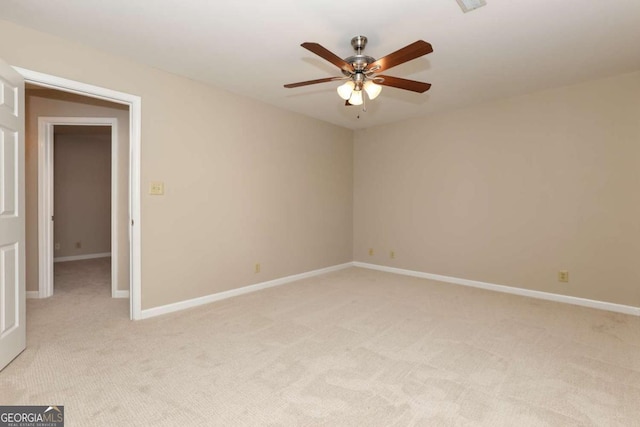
132, 223
51, 217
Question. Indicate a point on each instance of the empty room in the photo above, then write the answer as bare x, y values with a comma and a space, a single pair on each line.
421, 213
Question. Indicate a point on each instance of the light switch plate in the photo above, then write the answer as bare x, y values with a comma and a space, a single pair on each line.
156, 188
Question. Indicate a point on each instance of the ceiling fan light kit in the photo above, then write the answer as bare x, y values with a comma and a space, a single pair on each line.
345, 90
360, 70
356, 98
372, 89
349, 91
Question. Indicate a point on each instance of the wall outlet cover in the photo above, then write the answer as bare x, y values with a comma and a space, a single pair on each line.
156, 188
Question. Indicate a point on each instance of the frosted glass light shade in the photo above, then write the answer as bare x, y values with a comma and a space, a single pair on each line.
345, 90
356, 98
372, 89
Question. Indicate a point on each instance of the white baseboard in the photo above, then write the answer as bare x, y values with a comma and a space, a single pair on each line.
601, 305
118, 294
121, 294
81, 257
182, 305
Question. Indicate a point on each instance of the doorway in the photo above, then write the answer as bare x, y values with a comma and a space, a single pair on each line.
86, 200
132, 164
69, 248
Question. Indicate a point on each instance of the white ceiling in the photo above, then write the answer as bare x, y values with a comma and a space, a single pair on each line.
252, 47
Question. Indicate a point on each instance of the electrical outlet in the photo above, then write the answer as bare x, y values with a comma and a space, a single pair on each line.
156, 188
57, 246
257, 269
563, 276
392, 254
370, 251
78, 245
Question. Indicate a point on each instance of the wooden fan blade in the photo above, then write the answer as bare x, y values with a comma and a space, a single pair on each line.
407, 53
312, 82
412, 85
328, 55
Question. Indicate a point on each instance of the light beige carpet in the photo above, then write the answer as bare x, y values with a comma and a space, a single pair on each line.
351, 348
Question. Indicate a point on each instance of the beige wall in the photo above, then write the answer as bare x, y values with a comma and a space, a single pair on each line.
244, 182
48, 103
82, 194
511, 192
508, 192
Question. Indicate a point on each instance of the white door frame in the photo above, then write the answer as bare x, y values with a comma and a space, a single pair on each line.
135, 120
46, 198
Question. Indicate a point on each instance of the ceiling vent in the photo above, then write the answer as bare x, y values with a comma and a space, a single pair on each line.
469, 5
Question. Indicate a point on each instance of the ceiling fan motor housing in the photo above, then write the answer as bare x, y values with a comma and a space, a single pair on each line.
358, 61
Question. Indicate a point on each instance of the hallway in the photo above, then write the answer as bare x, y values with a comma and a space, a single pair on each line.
86, 278
82, 296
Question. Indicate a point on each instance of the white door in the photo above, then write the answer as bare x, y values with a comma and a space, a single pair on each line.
12, 231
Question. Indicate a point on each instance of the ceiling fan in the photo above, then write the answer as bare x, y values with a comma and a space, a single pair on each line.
360, 70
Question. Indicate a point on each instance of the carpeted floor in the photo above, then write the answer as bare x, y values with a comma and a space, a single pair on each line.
350, 348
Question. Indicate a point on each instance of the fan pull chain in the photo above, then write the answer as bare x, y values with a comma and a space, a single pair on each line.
364, 105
